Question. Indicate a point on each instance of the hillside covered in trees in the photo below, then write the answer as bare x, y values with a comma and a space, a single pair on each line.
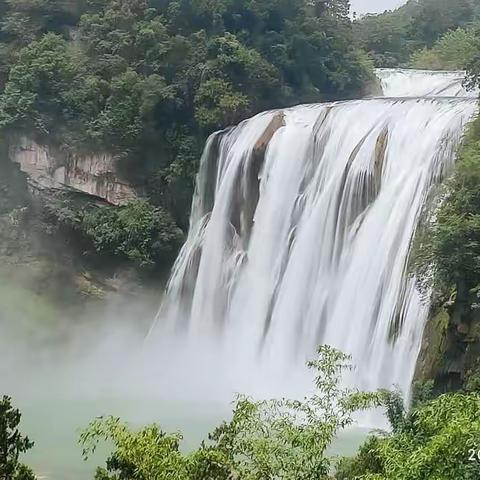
392, 38
148, 80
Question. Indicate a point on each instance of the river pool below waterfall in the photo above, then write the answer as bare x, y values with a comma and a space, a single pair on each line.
55, 423
63, 372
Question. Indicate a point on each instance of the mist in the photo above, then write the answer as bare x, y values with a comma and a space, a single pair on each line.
65, 370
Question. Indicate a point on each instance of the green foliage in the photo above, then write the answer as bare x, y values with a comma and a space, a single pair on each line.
384, 37
12, 444
434, 18
422, 392
264, 440
368, 459
130, 104
38, 93
217, 104
140, 70
147, 454
149, 80
288, 438
394, 408
433, 442
447, 250
473, 66
392, 37
454, 51
24, 21
137, 231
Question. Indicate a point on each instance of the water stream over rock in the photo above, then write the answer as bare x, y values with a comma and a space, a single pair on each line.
302, 224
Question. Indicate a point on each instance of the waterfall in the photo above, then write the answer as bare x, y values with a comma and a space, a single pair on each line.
302, 224
423, 83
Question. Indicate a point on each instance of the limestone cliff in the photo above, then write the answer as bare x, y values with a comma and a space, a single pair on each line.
50, 168
46, 256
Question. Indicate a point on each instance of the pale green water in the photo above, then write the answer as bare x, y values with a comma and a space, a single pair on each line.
63, 372
56, 426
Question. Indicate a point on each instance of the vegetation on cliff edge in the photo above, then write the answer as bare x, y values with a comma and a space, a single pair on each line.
149, 80
392, 37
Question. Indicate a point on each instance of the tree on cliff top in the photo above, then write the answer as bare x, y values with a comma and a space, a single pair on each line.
149, 68
149, 80
391, 37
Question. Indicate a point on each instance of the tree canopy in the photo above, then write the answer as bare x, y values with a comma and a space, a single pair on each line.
149, 80
435, 440
455, 50
392, 37
125, 74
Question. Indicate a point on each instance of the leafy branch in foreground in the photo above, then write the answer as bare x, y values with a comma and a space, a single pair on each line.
435, 440
273, 439
12, 444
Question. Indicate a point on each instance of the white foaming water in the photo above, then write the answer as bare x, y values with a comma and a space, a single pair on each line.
423, 83
301, 230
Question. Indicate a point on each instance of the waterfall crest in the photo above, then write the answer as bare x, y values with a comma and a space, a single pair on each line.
400, 82
302, 223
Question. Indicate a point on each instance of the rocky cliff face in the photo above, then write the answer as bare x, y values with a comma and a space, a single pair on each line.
50, 168
450, 354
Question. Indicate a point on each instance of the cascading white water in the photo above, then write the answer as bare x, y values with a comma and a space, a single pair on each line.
302, 225
423, 83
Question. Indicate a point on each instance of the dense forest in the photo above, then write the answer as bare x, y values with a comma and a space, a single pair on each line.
148, 81
431, 34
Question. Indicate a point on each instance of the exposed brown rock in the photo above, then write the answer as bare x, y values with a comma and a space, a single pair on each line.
242, 219
93, 174
277, 122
